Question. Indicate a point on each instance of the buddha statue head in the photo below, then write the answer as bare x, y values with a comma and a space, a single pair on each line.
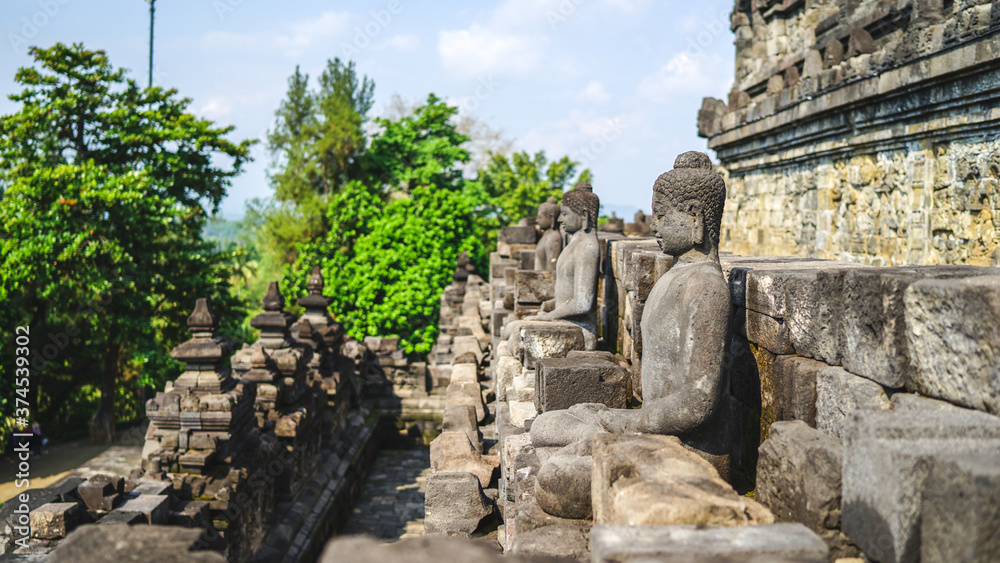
687, 205
580, 207
548, 214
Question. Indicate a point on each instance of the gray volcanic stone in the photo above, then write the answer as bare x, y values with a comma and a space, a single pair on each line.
54, 520
532, 286
815, 302
122, 543
426, 549
960, 510
838, 393
553, 541
454, 504
615, 543
563, 482
798, 478
795, 379
954, 341
563, 382
155, 508
515, 234
453, 452
462, 418
874, 335
888, 458
545, 339
655, 480
768, 332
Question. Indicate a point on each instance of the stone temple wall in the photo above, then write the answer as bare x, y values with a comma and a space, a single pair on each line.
863, 405
864, 131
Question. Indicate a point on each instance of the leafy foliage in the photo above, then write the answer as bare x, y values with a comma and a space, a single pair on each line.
515, 187
394, 238
104, 189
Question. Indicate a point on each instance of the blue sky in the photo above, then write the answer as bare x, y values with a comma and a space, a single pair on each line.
615, 84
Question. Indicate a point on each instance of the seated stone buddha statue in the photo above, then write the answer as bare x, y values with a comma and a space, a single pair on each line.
685, 331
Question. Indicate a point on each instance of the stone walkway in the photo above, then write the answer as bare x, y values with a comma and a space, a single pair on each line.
391, 507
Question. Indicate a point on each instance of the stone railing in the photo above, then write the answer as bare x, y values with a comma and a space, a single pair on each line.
862, 404
260, 461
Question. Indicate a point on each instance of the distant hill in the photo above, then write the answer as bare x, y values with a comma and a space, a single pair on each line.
222, 231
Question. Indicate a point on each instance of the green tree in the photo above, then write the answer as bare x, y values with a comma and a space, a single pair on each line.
316, 147
395, 236
517, 185
104, 193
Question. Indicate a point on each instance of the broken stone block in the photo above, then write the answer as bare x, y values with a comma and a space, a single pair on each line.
467, 344
838, 393
960, 509
814, 302
512, 446
613, 543
769, 332
54, 520
888, 458
453, 452
953, 340
798, 478
464, 372
521, 412
508, 367
100, 492
534, 286
155, 508
466, 393
121, 542
548, 339
454, 504
563, 382
648, 479
462, 418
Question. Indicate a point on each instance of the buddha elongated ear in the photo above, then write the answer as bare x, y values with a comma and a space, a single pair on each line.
697, 223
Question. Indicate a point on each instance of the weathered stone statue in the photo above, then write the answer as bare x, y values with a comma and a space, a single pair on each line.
685, 327
577, 267
550, 243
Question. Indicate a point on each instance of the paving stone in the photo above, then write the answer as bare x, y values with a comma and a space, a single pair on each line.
888, 457
694, 544
953, 340
403, 485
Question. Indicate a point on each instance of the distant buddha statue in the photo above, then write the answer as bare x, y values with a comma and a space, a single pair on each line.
550, 243
577, 267
685, 327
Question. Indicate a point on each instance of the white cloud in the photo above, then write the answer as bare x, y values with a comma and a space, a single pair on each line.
216, 108
293, 40
479, 50
594, 92
583, 136
402, 43
684, 73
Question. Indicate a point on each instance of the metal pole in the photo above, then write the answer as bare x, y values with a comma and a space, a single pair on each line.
152, 11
